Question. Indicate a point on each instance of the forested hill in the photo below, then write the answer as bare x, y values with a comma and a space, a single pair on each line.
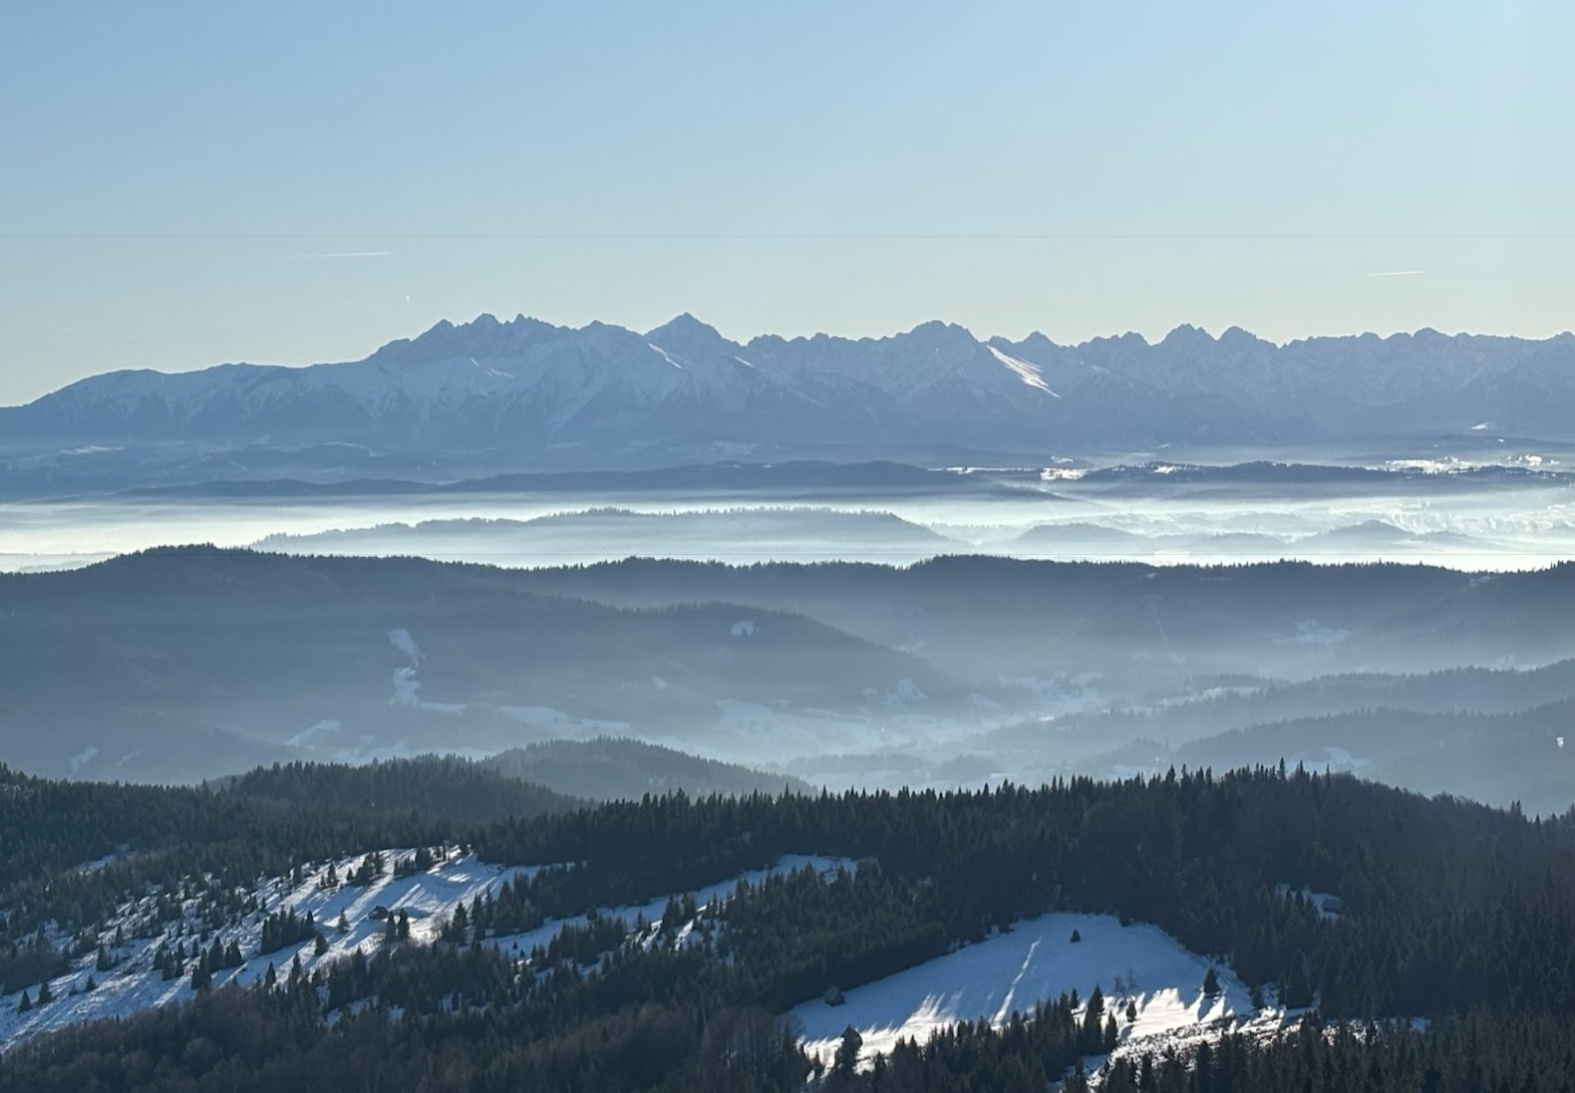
266, 820
168, 665
545, 777
1451, 911
611, 769
455, 789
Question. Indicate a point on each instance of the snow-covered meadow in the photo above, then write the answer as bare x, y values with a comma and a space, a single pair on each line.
1036, 960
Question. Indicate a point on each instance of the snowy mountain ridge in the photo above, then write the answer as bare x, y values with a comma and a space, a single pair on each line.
527, 386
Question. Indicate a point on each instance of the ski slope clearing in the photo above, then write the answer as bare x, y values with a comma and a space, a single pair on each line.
1007, 973
135, 983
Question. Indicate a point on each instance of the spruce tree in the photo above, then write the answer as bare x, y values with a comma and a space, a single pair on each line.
847, 1056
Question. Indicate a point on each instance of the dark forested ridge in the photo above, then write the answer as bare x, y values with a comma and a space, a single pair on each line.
119, 668
455, 789
1453, 911
610, 769
1494, 735
185, 664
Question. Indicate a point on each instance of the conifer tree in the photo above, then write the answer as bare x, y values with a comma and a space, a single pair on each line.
847, 1056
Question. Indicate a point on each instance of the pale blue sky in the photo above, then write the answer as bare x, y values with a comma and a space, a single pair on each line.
173, 174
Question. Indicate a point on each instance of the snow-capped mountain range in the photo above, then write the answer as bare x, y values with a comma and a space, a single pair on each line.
604, 395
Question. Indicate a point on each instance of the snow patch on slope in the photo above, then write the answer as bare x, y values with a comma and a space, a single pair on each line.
706, 899
1028, 373
666, 356
135, 984
1036, 961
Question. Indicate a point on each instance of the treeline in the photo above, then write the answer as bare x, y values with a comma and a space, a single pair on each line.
428, 1019
1449, 904
1480, 1052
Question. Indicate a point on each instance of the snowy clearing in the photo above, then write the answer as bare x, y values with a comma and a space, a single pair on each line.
1036, 961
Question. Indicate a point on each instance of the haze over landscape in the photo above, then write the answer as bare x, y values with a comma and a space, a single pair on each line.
848, 549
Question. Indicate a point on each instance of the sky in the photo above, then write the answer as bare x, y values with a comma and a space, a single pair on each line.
188, 183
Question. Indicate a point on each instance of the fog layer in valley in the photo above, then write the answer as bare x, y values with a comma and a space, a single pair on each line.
1516, 514
867, 625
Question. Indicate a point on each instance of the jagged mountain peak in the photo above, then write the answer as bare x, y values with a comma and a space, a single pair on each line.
483, 336
1236, 336
687, 336
684, 325
1187, 336
937, 330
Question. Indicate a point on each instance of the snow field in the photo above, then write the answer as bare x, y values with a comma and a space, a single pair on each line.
1037, 960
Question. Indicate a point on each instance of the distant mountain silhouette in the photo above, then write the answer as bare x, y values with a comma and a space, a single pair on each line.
527, 394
